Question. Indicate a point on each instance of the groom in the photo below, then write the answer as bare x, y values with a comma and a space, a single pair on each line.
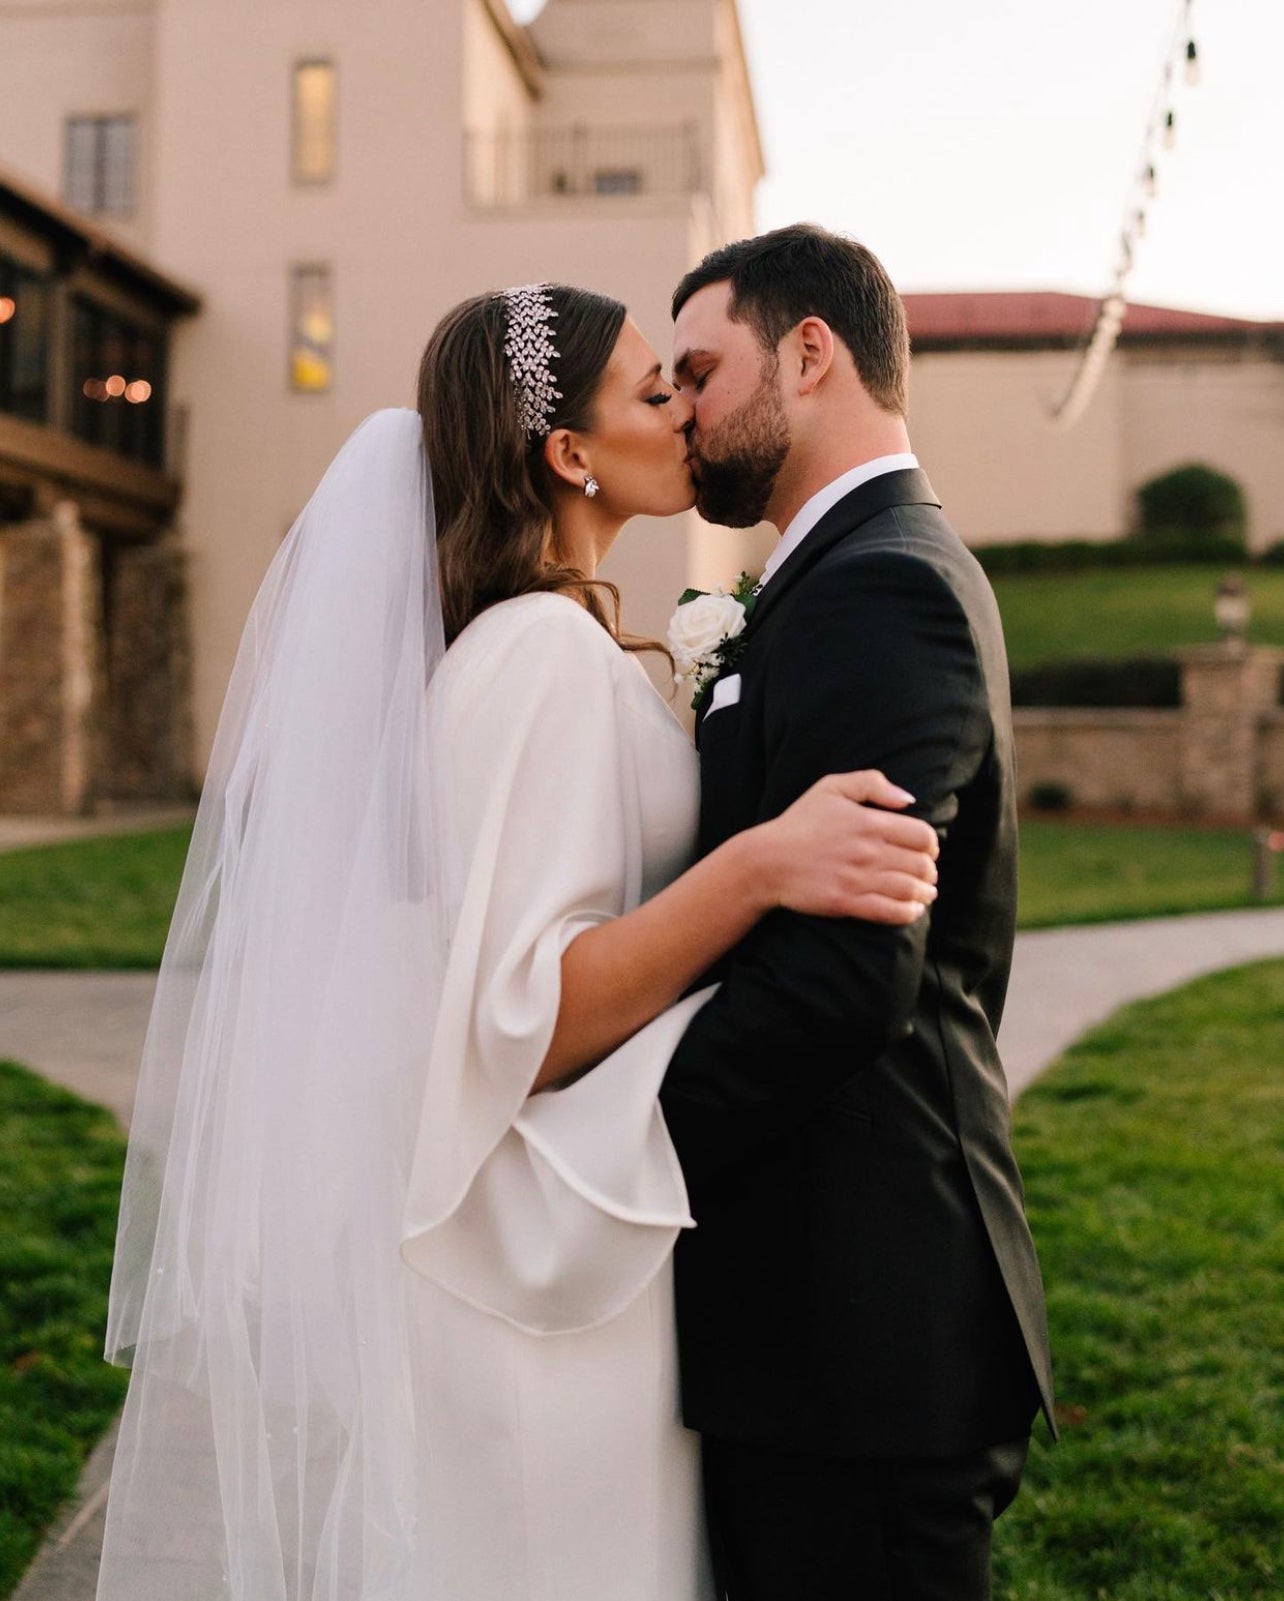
860, 1313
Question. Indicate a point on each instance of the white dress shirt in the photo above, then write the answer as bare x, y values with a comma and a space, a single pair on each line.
814, 509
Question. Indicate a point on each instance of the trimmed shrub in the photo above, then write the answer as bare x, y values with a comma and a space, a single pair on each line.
1051, 796
1087, 681
1077, 555
1192, 501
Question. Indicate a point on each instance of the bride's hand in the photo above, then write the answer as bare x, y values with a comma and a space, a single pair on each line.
841, 850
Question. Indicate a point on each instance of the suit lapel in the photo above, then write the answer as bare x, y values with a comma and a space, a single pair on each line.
906, 487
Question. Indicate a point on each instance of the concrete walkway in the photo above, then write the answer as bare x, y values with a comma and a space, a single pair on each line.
1067, 980
85, 1030
16, 833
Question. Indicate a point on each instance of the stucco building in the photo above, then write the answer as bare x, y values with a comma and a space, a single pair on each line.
1181, 387
289, 196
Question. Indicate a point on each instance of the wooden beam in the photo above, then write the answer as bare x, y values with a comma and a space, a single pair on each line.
56, 460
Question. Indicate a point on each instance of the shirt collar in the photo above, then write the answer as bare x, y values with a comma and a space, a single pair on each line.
814, 509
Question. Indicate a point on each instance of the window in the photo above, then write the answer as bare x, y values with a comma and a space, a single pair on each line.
316, 143
311, 329
24, 342
617, 181
100, 165
118, 371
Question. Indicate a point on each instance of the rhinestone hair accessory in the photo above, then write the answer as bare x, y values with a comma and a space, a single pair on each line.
531, 353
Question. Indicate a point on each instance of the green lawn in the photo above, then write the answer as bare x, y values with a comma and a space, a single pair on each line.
1152, 1156
1128, 611
107, 903
1092, 872
1156, 1193
91, 903
60, 1169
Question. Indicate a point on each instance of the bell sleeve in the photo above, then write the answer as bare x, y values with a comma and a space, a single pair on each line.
551, 1211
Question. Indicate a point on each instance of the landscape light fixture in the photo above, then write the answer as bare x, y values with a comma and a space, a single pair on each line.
1232, 607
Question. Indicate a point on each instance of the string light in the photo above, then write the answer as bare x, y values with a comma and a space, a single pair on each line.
116, 388
7, 308
1161, 127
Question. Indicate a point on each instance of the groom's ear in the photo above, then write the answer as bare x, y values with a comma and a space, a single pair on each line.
565, 458
811, 353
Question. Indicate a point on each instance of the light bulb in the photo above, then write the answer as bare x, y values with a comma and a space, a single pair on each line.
1170, 131
1192, 63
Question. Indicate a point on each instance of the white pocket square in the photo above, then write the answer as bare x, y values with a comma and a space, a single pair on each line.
726, 692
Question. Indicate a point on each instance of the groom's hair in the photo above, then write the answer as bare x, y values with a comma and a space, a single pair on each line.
779, 278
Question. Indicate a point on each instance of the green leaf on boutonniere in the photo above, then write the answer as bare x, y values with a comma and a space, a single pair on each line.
688, 595
746, 593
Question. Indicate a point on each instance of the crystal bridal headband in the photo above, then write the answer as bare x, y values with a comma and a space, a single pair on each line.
531, 353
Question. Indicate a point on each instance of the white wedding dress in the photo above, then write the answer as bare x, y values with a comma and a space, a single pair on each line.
538, 1233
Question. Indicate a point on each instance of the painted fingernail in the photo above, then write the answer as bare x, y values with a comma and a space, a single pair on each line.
903, 794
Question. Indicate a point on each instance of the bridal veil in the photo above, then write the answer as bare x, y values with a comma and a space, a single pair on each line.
265, 1450
297, 1151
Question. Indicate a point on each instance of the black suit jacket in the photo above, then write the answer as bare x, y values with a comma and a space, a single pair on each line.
861, 1279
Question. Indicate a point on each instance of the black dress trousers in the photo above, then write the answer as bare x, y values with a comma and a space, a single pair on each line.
791, 1527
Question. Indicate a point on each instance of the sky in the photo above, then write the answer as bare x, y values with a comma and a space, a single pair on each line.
993, 145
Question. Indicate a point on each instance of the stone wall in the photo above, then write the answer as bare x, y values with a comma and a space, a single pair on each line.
1116, 760
1220, 756
146, 750
91, 713
1270, 776
50, 665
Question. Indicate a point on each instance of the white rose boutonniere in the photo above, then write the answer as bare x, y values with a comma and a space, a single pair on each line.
706, 634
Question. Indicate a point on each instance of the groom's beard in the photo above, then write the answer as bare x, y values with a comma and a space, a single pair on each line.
736, 467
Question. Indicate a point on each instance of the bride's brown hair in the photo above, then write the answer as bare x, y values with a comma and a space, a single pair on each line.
492, 490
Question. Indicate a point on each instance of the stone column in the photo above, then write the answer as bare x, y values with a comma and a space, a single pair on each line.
147, 754
1228, 692
50, 664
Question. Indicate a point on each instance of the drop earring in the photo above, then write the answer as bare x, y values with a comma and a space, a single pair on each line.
591, 486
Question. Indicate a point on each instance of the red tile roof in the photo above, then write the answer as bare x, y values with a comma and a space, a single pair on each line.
1026, 317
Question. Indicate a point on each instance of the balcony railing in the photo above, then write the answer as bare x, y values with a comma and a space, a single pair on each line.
511, 168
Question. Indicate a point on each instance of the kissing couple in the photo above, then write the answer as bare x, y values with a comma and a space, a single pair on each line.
567, 1166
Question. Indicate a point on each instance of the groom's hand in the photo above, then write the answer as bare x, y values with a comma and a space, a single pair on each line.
841, 850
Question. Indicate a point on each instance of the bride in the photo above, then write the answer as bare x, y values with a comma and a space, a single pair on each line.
400, 1326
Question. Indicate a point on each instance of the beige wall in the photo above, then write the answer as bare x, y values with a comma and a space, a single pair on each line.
94, 59
496, 104
385, 226
394, 228
659, 64
408, 87
494, 94
737, 152
1225, 409
980, 424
